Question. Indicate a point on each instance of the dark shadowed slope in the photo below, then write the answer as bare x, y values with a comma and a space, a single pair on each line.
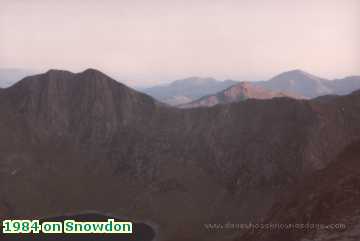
329, 196
76, 142
88, 105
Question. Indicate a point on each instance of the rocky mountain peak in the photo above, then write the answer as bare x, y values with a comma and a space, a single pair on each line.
89, 103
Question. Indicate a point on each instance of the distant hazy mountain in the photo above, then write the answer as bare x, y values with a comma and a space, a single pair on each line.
9, 76
236, 93
194, 91
345, 86
310, 86
185, 90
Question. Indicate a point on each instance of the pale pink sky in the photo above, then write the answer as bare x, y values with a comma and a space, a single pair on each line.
152, 41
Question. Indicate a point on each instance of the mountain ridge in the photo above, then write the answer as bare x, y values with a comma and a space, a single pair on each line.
184, 90
294, 84
236, 93
179, 168
308, 85
61, 99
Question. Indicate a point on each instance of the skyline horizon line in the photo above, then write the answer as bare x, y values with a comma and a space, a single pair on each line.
116, 77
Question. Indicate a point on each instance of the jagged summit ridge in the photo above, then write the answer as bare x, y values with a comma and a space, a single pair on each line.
57, 75
88, 103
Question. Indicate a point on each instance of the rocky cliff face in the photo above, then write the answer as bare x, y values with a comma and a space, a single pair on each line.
89, 106
76, 142
329, 197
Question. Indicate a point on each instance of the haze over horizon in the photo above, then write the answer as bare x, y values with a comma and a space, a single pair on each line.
147, 43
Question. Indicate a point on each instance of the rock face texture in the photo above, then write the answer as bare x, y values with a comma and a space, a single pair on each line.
236, 93
76, 142
329, 197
